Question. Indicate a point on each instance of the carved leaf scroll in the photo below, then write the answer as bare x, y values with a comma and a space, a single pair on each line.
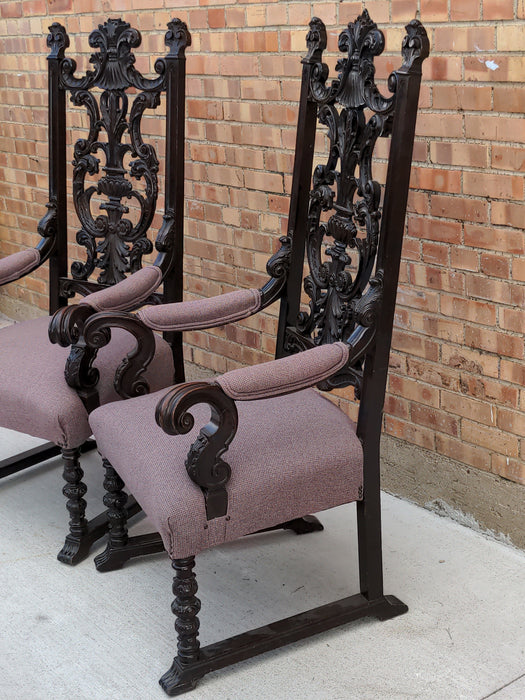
114, 243
345, 201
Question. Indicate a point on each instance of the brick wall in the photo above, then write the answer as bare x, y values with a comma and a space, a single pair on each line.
458, 370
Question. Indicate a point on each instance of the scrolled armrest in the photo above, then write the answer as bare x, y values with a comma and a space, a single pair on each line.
67, 324
87, 332
286, 375
202, 313
128, 294
204, 464
17, 265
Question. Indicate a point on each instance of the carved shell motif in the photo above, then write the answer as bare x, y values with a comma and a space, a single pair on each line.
344, 213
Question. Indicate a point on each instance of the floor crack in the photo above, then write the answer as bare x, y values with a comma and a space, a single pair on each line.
503, 686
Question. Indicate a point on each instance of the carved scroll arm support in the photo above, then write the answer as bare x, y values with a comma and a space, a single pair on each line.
204, 463
87, 333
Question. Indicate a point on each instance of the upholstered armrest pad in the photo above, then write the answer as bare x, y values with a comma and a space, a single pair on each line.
305, 369
202, 313
18, 264
128, 294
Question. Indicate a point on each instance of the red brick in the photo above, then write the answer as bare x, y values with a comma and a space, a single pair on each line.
416, 435
429, 229
434, 10
507, 214
437, 420
436, 180
502, 239
459, 208
494, 128
508, 158
460, 451
493, 341
491, 185
437, 327
509, 99
495, 265
504, 69
459, 38
216, 18
434, 374
456, 153
498, 9
464, 259
512, 469
445, 125
512, 319
490, 438
468, 309
464, 10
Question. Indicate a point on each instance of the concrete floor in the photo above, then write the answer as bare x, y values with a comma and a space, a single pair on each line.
72, 633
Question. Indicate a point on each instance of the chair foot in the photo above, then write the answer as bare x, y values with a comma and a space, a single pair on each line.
185, 670
391, 607
73, 551
301, 526
76, 548
178, 680
114, 557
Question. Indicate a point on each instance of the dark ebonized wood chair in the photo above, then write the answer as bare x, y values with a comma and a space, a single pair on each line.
232, 466
113, 166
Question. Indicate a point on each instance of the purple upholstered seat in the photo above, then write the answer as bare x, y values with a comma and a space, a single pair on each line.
35, 396
303, 437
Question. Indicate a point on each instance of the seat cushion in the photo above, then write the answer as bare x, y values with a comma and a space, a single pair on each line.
292, 455
34, 396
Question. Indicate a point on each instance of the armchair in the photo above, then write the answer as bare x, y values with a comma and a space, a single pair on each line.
216, 460
34, 396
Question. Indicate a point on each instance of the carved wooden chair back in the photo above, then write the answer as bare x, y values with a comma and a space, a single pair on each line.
114, 166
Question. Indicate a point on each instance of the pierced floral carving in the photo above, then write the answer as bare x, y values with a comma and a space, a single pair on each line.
342, 247
344, 285
114, 243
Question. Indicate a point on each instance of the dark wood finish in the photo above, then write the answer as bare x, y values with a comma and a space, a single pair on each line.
352, 286
183, 675
53, 227
114, 245
120, 550
185, 607
301, 526
77, 548
115, 501
117, 554
35, 456
27, 459
74, 490
170, 238
353, 246
204, 464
